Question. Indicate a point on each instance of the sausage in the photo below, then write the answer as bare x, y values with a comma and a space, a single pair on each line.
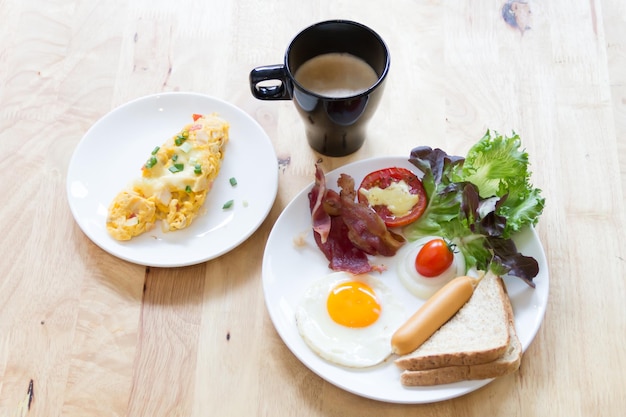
439, 308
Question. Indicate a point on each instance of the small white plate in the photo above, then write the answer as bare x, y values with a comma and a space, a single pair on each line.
288, 269
112, 151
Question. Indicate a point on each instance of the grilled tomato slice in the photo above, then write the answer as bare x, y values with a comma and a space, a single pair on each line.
396, 194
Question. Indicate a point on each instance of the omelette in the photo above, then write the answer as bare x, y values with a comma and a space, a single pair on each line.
174, 182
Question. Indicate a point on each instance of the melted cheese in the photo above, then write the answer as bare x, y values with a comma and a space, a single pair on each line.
159, 178
397, 197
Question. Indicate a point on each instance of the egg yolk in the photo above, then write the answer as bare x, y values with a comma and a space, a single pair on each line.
353, 304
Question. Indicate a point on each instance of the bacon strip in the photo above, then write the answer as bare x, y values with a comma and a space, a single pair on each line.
321, 219
340, 252
347, 231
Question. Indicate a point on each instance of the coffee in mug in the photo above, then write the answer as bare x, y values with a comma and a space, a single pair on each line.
334, 72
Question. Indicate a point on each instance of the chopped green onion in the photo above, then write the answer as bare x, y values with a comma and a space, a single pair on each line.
175, 157
151, 162
155, 150
179, 140
233, 181
176, 168
197, 169
188, 189
228, 204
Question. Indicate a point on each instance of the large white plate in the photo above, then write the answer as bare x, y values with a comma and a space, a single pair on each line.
110, 154
288, 269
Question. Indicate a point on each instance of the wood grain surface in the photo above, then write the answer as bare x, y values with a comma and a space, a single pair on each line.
83, 333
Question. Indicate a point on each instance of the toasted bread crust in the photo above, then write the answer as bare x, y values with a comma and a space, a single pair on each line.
454, 359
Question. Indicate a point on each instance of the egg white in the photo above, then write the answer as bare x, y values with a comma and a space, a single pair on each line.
352, 347
417, 284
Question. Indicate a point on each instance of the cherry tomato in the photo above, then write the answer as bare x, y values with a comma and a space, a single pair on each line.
434, 258
196, 116
384, 178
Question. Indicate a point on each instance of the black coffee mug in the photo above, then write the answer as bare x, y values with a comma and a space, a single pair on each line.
335, 126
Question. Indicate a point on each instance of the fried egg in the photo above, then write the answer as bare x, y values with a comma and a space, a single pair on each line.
417, 284
349, 319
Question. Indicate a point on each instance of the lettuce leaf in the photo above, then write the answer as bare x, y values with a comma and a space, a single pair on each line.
498, 167
479, 202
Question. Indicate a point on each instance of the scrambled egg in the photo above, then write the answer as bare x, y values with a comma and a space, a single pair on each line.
174, 182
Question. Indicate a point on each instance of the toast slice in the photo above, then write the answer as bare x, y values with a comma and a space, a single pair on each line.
506, 364
478, 333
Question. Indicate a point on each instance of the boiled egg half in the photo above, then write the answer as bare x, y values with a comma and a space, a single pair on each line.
349, 319
419, 285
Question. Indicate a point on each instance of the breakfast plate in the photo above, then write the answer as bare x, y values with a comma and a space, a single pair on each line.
289, 268
113, 150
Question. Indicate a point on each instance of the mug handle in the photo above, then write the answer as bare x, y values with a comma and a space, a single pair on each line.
273, 92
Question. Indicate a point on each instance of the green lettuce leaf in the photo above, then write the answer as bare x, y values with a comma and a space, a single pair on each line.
498, 167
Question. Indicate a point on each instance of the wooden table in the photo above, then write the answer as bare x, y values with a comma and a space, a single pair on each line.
98, 336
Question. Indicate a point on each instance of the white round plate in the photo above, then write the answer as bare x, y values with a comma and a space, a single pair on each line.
288, 269
112, 151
